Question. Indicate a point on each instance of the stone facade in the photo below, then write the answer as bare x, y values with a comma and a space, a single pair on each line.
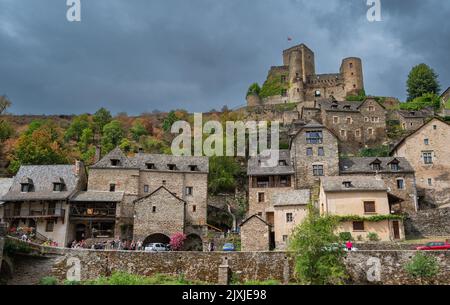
427, 151
429, 223
309, 167
161, 212
410, 120
255, 234
300, 83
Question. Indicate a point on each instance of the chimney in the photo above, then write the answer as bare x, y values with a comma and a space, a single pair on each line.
97, 154
78, 165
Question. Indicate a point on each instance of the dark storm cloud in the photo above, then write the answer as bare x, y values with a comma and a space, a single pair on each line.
141, 55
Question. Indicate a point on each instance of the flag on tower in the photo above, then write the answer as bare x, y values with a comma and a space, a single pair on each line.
289, 38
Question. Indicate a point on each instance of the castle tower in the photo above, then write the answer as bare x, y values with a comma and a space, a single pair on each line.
352, 72
300, 60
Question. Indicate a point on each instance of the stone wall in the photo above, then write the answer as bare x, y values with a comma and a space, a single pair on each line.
255, 235
2, 241
435, 222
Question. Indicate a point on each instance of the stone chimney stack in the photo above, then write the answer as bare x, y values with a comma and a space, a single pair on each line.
97, 155
78, 165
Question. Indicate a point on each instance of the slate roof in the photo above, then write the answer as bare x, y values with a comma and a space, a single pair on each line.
291, 197
140, 160
413, 114
359, 183
42, 178
254, 168
5, 185
341, 106
363, 165
97, 196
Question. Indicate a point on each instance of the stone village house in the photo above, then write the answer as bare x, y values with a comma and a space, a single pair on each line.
5, 185
361, 196
428, 152
40, 198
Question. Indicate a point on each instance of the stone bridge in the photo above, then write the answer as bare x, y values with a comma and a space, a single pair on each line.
36, 262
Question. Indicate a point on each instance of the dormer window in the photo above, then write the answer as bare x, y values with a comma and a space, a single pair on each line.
347, 107
282, 163
394, 165
171, 167
150, 166
347, 184
193, 168
25, 187
334, 106
115, 162
57, 187
376, 165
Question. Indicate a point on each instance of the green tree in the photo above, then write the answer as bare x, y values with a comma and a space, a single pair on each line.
113, 134
422, 79
86, 139
426, 100
101, 118
138, 130
6, 130
76, 128
254, 89
169, 120
223, 172
422, 267
154, 146
40, 144
317, 260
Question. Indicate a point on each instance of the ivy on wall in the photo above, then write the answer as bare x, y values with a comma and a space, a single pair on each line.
273, 86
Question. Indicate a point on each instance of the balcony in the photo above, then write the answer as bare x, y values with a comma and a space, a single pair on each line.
92, 212
34, 213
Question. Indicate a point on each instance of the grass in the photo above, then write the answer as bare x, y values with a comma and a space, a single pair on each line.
123, 278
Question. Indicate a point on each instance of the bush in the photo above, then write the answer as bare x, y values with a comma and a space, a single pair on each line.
424, 101
48, 281
345, 236
379, 151
357, 98
422, 267
372, 236
272, 86
254, 89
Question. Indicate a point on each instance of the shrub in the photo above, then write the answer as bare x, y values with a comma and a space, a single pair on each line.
254, 89
357, 98
272, 86
345, 236
372, 236
422, 267
48, 280
379, 151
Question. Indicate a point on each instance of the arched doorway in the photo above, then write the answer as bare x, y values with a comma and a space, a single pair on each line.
156, 238
193, 242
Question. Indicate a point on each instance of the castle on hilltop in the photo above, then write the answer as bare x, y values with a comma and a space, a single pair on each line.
296, 80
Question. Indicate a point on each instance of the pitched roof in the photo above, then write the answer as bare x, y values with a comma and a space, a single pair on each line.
413, 114
5, 185
363, 165
42, 178
396, 145
358, 183
161, 188
255, 166
291, 198
257, 217
160, 162
97, 196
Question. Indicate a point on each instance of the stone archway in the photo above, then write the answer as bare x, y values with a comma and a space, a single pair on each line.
193, 242
156, 238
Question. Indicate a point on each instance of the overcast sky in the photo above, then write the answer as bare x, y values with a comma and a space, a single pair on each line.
139, 55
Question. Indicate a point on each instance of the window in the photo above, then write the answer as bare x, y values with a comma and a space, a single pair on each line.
164, 182
434, 127
189, 190
151, 166
57, 187
171, 167
366, 119
153, 209
349, 120
282, 163
350, 65
317, 93
115, 162
430, 182
112, 187
426, 141
194, 208
146, 188
193, 168
395, 167
289, 217
49, 225
358, 226
261, 197
318, 170
309, 151
400, 184
375, 119
357, 133
369, 207
427, 157
321, 152
285, 238
370, 131
284, 180
376, 166
283, 92
347, 184
314, 137
283, 78
335, 120
25, 188
343, 133
371, 108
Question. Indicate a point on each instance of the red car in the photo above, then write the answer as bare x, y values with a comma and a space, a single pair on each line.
434, 246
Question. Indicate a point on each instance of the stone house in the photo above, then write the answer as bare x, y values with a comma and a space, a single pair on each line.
427, 151
314, 154
39, 198
159, 213
360, 197
411, 120
445, 98
140, 175
5, 185
255, 234
397, 173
